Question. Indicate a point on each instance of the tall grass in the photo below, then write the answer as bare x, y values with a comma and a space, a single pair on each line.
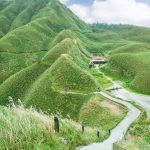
23, 129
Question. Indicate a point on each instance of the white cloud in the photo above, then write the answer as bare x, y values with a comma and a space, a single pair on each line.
64, 1
81, 11
114, 11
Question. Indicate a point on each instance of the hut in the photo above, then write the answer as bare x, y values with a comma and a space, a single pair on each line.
98, 60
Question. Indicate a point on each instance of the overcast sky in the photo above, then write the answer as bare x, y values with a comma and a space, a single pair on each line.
135, 12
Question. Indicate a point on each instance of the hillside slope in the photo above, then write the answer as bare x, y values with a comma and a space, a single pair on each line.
128, 51
27, 127
42, 60
31, 34
53, 82
45, 51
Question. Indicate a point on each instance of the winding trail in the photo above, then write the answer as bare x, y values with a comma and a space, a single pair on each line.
117, 133
139, 99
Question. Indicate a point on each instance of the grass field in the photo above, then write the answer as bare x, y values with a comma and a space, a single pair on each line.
96, 113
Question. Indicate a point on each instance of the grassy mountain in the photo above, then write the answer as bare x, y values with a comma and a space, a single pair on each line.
129, 52
35, 29
43, 61
34, 35
45, 51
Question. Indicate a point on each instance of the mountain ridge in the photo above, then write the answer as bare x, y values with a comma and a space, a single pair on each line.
52, 32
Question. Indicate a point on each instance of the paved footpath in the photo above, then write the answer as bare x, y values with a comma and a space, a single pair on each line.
139, 99
117, 133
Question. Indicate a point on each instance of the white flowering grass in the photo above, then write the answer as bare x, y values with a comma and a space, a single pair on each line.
23, 129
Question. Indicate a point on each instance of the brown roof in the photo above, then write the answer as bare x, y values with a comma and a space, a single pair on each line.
98, 58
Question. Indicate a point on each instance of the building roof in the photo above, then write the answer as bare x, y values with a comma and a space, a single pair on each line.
98, 58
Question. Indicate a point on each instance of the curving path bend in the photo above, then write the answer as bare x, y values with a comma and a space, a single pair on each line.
139, 99
117, 133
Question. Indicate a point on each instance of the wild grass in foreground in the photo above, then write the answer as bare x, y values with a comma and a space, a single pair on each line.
23, 129
27, 129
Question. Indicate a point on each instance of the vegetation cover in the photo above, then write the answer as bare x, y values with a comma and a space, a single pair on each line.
45, 51
43, 62
23, 128
129, 53
28, 129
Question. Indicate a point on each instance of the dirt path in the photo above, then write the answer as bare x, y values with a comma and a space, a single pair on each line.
117, 133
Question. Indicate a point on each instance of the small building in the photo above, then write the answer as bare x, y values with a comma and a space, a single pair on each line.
98, 60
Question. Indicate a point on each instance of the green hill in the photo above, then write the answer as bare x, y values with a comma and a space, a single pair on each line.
45, 51
35, 33
42, 60
134, 67
129, 53
59, 79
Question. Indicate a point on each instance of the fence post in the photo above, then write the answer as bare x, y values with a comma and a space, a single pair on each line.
98, 134
82, 128
109, 131
56, 124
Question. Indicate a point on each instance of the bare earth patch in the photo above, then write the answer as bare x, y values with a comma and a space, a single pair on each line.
114, 107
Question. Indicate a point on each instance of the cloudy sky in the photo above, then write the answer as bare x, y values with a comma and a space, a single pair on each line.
136, 12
